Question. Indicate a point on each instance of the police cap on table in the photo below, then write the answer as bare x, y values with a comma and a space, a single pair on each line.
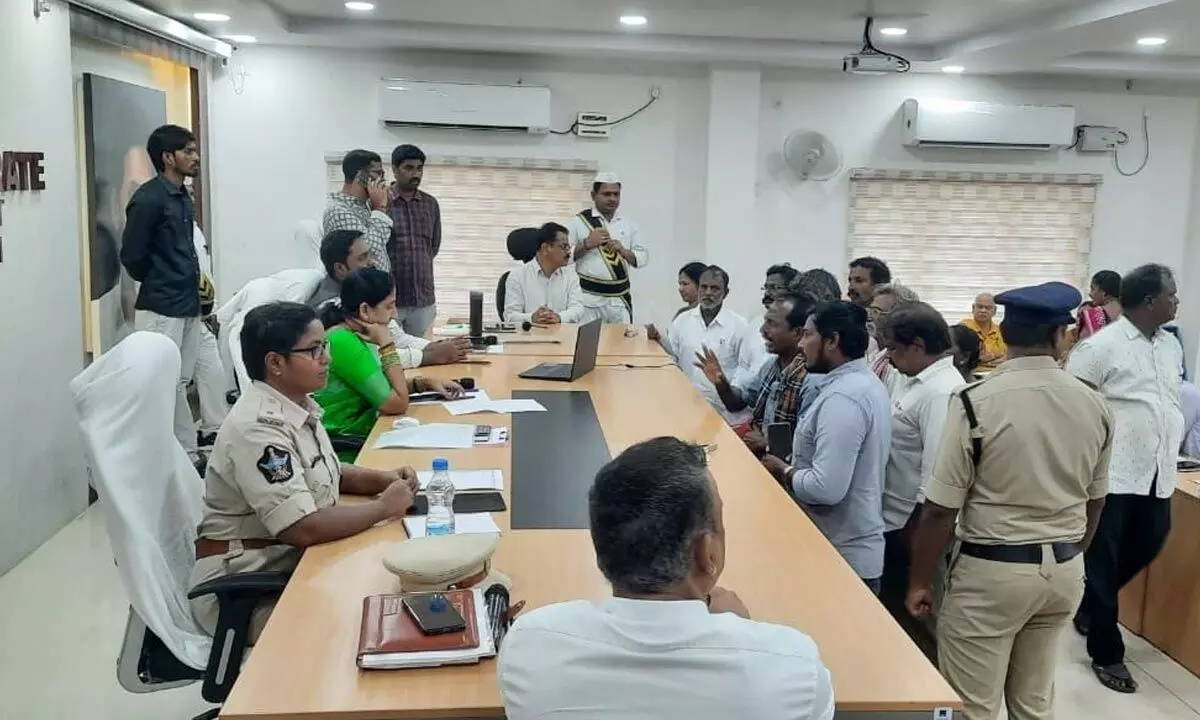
1046, 304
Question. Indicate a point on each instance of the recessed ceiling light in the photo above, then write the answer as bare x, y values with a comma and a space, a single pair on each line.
953, 69
1152, 41
211, 17
633, 20
360, 6
893, 31
240, 38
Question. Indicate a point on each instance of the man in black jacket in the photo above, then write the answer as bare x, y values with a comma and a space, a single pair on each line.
158, 251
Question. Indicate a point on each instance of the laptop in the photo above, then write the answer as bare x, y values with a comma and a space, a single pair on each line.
587, 342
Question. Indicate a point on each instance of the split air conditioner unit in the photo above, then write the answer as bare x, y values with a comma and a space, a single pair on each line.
966, 124
513, 108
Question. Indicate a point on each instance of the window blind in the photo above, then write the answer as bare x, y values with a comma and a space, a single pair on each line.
950, 236
482, 201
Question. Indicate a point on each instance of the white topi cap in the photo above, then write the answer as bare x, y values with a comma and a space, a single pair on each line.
607, 178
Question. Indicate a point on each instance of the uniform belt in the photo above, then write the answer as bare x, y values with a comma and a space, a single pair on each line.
209, 548
1028, 554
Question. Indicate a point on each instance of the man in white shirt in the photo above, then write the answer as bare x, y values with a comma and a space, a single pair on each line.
344, 251
605, 246
712, 328
209, 375
916, 340
1135, 365
779, 279
669, 643
545, 290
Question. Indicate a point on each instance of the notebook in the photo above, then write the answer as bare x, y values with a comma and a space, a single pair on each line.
389, 638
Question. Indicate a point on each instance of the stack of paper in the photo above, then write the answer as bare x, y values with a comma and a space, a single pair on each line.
468, 480
464, 524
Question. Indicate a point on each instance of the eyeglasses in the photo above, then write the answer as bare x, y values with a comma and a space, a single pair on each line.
316, 352
772, 287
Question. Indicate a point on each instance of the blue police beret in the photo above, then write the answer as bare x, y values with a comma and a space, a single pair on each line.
1046, 304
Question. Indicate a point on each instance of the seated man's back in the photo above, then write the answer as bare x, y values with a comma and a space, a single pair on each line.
670, 642
642, 659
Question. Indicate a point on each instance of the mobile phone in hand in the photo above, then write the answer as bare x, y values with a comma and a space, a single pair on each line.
779, 440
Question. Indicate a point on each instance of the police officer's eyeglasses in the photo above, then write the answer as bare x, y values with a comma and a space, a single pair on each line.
316, 352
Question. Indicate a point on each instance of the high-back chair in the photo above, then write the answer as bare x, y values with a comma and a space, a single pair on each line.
151, 499
296, 285
522, 246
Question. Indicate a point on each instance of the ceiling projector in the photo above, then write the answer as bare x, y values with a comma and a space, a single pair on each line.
873, 64
870, 60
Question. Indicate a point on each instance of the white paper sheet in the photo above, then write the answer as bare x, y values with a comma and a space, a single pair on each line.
495, 350
471, 406
467, 480
464, 524
449, 436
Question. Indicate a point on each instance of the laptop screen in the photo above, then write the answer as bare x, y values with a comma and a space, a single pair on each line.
587, 343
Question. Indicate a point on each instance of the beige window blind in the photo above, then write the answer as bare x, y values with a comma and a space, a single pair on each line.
950, 236
482, 200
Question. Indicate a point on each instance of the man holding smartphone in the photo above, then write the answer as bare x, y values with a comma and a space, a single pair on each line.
782, 389
362, 204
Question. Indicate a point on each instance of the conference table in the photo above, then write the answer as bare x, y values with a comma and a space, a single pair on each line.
303, 667
1160, 604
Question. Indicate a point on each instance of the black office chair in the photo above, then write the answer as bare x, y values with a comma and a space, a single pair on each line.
147, 665
522, 246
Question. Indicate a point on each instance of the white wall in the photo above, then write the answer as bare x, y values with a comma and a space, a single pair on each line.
267, 167
1139, 219
43, 480
297, 104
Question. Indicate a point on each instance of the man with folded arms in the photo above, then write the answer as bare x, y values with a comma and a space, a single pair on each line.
344, 251
669, 643
545, 290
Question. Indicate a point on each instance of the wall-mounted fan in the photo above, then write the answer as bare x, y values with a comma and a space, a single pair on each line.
811, 155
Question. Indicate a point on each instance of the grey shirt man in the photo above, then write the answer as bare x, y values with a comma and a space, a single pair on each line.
840, 453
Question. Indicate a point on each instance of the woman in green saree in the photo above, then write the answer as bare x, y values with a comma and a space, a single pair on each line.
366, 376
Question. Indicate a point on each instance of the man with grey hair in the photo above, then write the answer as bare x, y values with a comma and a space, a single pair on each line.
887, 298
669, 643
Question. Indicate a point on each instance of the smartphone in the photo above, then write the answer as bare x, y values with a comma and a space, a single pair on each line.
434, 614
779, 440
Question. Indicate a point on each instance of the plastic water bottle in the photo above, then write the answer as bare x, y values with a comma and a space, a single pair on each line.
440, 494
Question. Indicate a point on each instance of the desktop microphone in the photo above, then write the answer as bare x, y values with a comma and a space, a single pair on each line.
478, 339
526, 326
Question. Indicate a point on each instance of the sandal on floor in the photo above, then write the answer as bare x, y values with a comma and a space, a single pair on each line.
1115, 677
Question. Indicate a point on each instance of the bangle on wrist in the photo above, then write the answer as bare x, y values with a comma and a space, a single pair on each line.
387, 346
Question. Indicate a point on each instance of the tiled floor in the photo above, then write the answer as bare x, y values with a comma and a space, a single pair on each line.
62, 612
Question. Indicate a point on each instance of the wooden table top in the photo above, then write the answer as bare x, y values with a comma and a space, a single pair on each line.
612, 342
778, 562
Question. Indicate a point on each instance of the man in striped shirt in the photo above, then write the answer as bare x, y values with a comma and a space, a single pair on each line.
362, 204
415, 240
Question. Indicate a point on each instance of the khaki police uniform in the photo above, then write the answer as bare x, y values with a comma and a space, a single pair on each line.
1022, 479
272, 465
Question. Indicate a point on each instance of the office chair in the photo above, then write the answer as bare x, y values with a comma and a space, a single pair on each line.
152, 500
522, 246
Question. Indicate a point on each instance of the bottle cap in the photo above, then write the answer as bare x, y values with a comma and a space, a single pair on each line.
441, 464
